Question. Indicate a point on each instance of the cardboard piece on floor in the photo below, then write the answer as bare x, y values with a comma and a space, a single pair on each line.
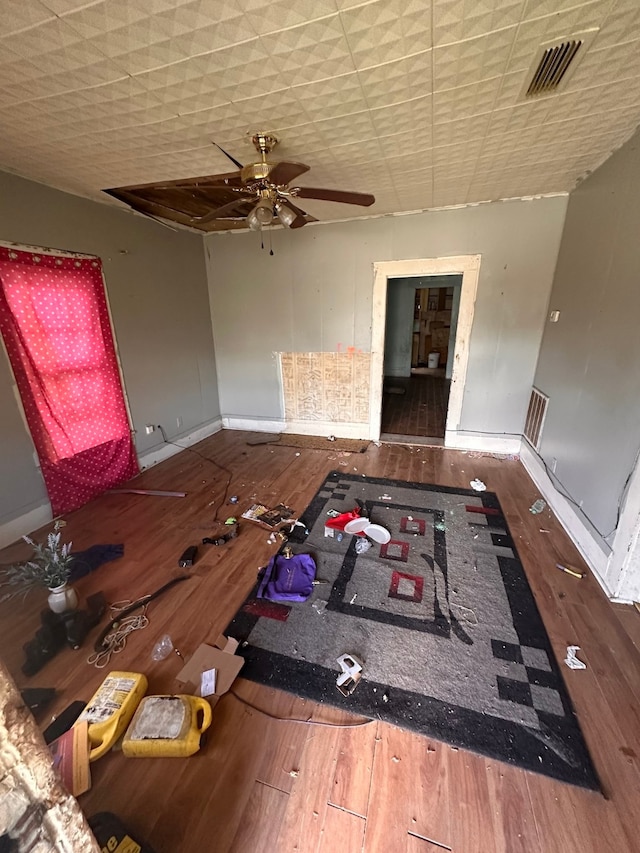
222, 657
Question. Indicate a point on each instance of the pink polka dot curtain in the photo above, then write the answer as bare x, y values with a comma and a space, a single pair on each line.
56, 328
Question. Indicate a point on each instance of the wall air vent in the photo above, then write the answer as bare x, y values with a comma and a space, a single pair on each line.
535, 417
554, 63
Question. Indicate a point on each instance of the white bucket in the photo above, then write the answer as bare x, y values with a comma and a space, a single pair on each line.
433, 359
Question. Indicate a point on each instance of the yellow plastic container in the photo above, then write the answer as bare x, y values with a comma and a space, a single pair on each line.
110, 709
167, 727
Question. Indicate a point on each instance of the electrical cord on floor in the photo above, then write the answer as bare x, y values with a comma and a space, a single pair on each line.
297, 719
218, 465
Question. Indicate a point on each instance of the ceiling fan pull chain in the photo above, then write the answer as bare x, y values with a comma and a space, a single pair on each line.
270, 244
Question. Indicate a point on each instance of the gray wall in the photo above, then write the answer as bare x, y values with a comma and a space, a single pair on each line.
157, 288
316, 293
401, 297
589, 362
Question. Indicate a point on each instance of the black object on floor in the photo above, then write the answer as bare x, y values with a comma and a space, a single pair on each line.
92, 558
112, 834
37, 698
60, 629
442, 617
63, 721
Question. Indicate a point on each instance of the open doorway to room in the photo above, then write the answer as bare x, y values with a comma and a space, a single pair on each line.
416, 323
420, 333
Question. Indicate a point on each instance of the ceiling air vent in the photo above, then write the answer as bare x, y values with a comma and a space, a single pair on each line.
554, 63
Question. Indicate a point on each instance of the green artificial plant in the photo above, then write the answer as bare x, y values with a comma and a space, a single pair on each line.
50, 566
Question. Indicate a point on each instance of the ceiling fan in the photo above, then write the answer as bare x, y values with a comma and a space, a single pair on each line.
254, 196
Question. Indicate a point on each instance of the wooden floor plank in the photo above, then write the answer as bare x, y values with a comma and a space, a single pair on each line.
256, 834
259, 781
409, 791
352, 770
472, 827
341, 831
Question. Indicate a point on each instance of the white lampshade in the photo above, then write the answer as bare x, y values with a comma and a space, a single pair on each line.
253, 222
285, 214
263, 211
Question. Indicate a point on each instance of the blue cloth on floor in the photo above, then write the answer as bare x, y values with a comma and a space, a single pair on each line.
92, 558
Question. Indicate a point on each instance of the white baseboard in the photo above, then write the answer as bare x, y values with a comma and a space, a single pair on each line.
459, 440
327, 428
321, 428
152, 457
12, 530
252, 424
579, 533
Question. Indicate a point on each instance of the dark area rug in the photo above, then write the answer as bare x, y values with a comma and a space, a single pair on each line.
442, 617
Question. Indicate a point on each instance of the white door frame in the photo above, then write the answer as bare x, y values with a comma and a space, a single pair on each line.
466, 265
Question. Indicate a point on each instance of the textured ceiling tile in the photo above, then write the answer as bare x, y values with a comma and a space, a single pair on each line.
469, 61
622, 23
519, 117
16, 15
533, 33
397, 81
387, 30
45, 38
267, 16
624, 94
474, 99
455, 20
48, 84
163, 48
460, 152
539, 8
309, 52
409, 116
64, 7
407, 144
331, 97
473, 127
606, 66
345, 129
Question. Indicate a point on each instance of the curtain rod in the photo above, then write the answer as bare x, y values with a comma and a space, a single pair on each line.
41, 250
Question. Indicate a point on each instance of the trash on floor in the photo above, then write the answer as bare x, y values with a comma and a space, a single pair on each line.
362, 546
477, 485
440, 525
163, 648
538, 506
270, 517
188, 556
351, 674
70, 754
385, 497
570, 570
221, 657
572, 660
230, 533
319, 606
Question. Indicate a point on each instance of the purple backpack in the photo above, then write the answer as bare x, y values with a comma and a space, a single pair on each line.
288, 579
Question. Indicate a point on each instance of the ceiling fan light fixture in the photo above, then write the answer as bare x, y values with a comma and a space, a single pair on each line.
285, 214
253, 222
263, 212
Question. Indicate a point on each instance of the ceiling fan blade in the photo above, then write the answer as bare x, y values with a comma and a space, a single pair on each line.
363, 199
284, 172
226, 154
220, 211
300, 219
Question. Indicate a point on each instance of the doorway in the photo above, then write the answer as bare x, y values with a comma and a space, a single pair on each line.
420, 333
421, 308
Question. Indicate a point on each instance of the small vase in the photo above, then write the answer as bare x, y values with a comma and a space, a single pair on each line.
62, 598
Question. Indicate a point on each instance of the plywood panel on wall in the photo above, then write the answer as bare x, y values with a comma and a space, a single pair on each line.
326, 386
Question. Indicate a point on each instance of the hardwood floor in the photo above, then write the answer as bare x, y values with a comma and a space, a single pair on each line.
420, 411
264, 784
